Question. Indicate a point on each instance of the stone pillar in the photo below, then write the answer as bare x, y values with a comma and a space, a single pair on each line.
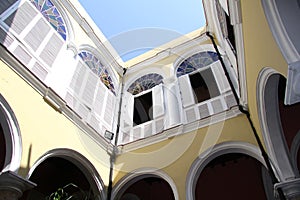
173, 102
290, 189
12, 186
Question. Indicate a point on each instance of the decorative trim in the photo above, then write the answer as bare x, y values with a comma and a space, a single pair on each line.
80, 161
12, 135
294, 152
180, 129
279, 32
272, 132
139, 174
164, 53
220, 149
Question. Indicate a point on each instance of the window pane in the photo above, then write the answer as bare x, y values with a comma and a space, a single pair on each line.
143, 109
204, 85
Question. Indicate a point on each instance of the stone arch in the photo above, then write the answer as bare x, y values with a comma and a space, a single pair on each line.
51, 165
11, 137
138, 175
221, 149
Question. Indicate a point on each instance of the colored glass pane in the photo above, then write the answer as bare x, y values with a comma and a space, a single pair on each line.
144, 83
196, 61
51, 14
98, 68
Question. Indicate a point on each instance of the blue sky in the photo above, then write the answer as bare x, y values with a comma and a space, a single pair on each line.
135, 26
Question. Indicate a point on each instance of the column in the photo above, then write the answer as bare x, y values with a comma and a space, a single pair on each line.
12, 186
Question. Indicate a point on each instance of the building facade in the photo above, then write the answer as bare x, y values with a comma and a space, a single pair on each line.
210, 115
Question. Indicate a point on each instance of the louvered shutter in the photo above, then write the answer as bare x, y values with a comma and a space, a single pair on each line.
37, 34
4, 5
220, 77
186, 90
51, 50
19, 19
158, 101
109, 107
127, 110
90, 84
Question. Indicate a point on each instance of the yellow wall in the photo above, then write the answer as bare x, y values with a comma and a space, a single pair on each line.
44, 129
261, 50
175, 155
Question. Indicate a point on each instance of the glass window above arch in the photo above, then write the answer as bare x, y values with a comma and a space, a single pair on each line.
196, 61
52, 15
144, 83
98, 68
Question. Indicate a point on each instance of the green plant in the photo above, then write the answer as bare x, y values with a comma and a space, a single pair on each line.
68, 192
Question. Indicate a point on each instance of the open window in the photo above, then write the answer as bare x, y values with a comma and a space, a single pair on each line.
204, 85
143, 111
225, 23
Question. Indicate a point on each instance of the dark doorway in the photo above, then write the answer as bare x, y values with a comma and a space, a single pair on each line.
57, 174
151, 188
232, 176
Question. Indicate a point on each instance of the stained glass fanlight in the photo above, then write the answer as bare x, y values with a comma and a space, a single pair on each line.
50, 12
98, 68
196, 61
144, 83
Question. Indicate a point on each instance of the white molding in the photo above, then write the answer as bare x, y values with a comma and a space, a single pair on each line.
294, 152
220, 149
97, 37
12, 135
270, 123
180, 129
164, 53
139, 174
279, 32
79, 161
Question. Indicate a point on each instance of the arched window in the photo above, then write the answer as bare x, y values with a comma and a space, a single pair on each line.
143, 111
52, 15
98, 68
196, 61
144, 83
203, 85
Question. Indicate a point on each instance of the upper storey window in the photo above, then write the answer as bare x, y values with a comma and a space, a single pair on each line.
202, 81
98, 68
225, 24
145, 83
143, 98
204, 88
50, 12
195, 62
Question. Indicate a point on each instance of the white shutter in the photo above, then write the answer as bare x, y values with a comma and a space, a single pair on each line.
187, 93
191, 115
90, 84
4, 5
51, 50
37, 34
22, 55
18, 20
5, 38
158, 101
39, 71
203, 110
99, 100
78, 78
109, 107
127, 110
220, 77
